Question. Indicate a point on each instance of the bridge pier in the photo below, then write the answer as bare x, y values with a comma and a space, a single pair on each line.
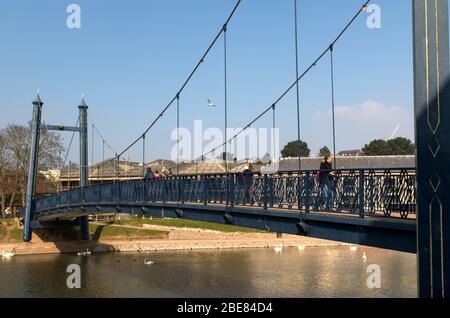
432, 122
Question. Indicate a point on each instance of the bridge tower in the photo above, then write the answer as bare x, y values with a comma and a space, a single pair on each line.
36, 128
33, 166
84, 167
432, 122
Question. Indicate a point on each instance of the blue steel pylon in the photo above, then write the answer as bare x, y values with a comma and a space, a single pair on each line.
36, 127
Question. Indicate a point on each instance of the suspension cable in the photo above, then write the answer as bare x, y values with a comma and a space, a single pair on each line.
185, 83
178, 152
143, 156
302, 75
297, 87
273, 132
103, 159
104, 140
70, 144
92, 152
225, 158
333, 105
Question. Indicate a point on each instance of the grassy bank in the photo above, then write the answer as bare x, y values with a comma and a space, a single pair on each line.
105, 232
109, 232
2, 232
182, 223
15, 234
98, 232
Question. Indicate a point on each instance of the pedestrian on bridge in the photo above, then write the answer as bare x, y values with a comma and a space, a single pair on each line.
157, 175
326, 182
149, 175
248, 183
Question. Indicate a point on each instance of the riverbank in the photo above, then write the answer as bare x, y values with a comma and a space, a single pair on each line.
167, 238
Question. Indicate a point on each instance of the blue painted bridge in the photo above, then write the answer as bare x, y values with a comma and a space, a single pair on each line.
371, 207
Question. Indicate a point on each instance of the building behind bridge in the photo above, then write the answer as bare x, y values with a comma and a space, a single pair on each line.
346, 162
111, 171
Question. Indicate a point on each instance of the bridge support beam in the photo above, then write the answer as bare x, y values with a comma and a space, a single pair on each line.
84, 173
432, 119
32, 169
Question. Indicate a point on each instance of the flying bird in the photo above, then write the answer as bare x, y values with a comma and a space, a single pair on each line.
210, 103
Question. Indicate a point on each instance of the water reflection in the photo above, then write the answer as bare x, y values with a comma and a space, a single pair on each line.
313, 272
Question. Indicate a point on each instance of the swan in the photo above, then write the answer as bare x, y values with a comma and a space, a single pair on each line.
364, 257
279, 249
148, 262
353, 248
6, 254
84, 253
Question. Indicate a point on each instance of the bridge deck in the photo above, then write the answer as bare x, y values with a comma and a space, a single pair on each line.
377, 230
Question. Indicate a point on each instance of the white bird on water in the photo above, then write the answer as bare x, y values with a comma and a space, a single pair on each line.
210, 103
364, 257
84, 253
353, 248
148, 262
279, 249
301, 247
6, 254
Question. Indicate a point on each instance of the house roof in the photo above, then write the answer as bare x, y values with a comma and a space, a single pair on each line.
110, 169
360, 162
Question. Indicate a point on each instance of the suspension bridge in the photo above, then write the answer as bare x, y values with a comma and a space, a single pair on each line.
404, 209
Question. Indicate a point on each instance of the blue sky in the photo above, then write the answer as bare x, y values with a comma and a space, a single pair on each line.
130, 58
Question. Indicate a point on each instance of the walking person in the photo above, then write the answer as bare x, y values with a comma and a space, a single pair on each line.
149, 175
248, 183
326, 182
157, 175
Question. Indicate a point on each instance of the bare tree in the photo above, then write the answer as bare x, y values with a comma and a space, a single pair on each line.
16, 150
4, 171
17, 142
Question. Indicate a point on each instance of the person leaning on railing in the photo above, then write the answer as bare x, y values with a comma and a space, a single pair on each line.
326, 182
248, 183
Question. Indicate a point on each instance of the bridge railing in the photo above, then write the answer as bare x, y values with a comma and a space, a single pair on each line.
387, 192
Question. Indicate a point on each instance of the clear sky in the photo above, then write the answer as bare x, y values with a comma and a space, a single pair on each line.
130, 57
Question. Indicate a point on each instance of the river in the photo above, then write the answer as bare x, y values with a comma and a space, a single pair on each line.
313, 272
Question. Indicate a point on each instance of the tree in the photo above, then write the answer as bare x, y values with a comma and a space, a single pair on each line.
397, 146
14, 160
324, 151
402, 146
4, 168
293, 148
378, 147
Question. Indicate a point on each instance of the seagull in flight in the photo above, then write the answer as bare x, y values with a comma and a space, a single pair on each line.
210, 103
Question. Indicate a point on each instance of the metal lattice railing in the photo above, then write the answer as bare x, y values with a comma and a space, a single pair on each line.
388, 192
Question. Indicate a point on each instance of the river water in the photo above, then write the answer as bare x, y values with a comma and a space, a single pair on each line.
313, 272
